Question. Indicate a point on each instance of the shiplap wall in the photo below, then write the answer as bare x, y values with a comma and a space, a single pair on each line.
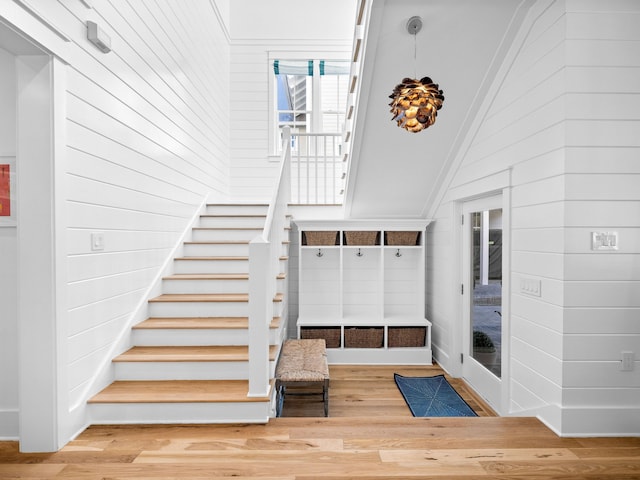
602, 192
559, 131
147, 141
8, 264
277, 29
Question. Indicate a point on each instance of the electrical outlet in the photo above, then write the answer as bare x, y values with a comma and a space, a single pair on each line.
627, 361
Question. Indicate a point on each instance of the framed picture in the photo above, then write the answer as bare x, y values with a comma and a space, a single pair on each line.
8, 192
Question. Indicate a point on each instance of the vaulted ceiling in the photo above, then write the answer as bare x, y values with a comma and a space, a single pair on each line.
395, 173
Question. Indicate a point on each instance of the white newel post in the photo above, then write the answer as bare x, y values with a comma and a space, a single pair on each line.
260, 310
264, 260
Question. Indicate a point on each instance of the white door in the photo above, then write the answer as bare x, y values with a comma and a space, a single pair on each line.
482, 288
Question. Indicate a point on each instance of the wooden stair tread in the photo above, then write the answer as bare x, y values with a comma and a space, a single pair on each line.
207, 297
213, 258
228, 228
220, 242
233, 215
282, 257
214, 276
200, 323
234, 228
208, 276
226, 242
201, 297
237, 204
225, 353
176, 391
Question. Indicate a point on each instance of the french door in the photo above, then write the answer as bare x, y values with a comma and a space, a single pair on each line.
482, 285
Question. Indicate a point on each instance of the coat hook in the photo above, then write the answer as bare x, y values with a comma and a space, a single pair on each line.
398, 254
319, 254
359, 254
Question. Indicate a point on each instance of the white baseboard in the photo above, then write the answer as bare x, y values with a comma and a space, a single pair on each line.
601, 422
587, 421
9, 425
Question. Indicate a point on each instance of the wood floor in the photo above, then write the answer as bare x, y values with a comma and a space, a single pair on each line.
370, 434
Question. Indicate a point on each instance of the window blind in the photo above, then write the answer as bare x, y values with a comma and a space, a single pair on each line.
305, 67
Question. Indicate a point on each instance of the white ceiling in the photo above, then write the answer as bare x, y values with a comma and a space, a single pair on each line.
395, 173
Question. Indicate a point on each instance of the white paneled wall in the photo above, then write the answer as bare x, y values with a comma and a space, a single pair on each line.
278, 29
146, 142
602, 189
561, 131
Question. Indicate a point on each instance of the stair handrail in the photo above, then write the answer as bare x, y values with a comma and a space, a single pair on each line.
264, 266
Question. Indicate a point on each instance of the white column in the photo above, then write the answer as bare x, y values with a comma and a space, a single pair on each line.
37, 319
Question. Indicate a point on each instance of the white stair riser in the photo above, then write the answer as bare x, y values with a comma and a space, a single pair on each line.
184, 370
211, 266
222, 249
195, 337
210, 286
225, 234
216, 250
204, 309
231, 222
195, 413
205, 286
202, 266
237, 209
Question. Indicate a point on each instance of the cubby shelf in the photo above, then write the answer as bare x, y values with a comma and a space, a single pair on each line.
365, 297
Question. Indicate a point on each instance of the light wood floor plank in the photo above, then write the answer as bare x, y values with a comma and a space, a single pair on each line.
370, 443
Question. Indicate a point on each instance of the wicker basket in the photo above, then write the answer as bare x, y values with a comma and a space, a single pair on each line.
402, 238
320, 238
407, 336
361, 238
364, 337
331, 335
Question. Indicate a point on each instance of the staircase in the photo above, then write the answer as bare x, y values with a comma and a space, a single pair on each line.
189, 360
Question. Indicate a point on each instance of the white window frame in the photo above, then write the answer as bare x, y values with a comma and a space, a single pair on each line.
316, 111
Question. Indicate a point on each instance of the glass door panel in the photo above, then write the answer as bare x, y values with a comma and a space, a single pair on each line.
486, 281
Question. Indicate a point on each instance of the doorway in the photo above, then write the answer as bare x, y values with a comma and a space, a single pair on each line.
482, 285
38, 244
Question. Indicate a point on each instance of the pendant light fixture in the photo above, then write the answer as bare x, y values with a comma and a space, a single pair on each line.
415, 102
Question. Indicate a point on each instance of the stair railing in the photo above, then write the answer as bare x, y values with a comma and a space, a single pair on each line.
317, 168
264, 267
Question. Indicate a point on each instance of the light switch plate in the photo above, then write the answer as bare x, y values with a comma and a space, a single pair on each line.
627, 361
531, 286
604, 240
97, 242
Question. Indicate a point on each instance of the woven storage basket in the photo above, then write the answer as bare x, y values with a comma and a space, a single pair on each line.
321, 238
407, 336
361, 238
331, 335
364, 337
402, 238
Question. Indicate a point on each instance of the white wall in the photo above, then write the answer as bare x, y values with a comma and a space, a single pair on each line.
558, 132
602, 193
146, 142
8, 265
277, 28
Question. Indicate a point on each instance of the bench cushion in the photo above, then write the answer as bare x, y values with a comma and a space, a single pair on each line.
303, 360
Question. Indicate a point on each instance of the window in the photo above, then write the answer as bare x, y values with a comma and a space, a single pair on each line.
310, 96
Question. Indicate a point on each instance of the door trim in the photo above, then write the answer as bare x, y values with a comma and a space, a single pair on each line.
501, 400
